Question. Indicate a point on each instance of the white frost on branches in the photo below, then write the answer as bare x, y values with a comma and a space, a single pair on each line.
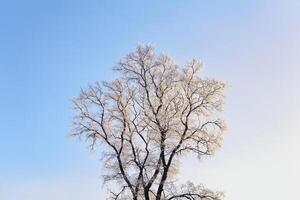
147, 119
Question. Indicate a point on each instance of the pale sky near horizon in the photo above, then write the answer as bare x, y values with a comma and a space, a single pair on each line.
50, 49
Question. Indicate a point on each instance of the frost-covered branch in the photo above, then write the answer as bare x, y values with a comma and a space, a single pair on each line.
147, 119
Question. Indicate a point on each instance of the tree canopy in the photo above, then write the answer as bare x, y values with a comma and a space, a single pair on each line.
148, 119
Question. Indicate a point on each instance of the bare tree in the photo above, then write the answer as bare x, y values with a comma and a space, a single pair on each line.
149, 118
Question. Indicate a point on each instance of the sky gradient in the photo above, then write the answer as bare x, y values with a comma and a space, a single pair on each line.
50, 49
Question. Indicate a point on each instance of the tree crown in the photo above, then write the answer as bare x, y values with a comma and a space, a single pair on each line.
147, 119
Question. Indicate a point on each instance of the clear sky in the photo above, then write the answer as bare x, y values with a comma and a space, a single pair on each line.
49, 49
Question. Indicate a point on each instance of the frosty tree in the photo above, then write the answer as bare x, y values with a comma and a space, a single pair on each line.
147, 120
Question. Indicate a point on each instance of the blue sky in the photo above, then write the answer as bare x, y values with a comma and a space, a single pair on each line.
50, 49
